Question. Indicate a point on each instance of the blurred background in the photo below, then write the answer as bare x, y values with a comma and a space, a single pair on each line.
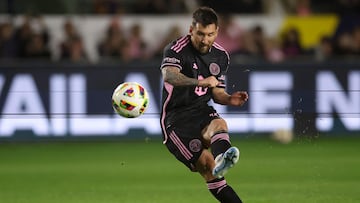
60, 61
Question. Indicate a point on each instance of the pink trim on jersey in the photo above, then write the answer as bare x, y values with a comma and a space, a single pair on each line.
217, 185
169, 88
179, 41
181, 45
183, 150
218, 46
220, 136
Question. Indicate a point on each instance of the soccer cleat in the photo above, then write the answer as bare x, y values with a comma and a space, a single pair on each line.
225, 161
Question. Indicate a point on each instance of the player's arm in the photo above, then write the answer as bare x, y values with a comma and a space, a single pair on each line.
238, 98
172, 75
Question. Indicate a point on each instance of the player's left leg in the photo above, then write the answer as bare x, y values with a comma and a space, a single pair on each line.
217, 186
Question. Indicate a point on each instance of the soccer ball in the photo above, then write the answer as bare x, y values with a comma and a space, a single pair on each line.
130, 99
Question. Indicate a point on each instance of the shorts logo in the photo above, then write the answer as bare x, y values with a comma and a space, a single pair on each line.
222, 77
195, 145
214, 69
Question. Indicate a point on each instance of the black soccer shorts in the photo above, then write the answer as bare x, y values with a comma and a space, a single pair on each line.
184, 139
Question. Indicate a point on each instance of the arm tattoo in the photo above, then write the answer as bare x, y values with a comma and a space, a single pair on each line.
176, 78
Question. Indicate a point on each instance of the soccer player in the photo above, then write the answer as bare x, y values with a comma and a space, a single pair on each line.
193, 70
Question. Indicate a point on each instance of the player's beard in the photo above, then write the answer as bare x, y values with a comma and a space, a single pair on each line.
204, 48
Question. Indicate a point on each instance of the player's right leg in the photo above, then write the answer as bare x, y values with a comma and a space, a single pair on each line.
226, 156
225, 161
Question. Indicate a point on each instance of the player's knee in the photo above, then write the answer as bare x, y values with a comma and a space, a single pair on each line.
218, 122
215, 126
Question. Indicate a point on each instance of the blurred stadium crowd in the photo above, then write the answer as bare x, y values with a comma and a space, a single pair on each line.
30, 39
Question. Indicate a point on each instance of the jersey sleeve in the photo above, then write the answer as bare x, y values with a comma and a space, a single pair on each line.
171, 58
221, 77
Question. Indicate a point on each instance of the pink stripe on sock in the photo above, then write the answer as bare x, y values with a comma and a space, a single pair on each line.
220, 136
219, 190
216, 185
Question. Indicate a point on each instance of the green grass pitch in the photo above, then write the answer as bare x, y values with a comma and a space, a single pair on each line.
320, 171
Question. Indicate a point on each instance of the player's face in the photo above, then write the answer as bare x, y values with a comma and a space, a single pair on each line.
202, 37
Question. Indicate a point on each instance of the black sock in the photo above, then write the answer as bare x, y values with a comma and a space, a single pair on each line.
223, 192
220, 142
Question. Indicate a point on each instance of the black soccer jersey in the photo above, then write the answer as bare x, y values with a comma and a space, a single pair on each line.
181, 54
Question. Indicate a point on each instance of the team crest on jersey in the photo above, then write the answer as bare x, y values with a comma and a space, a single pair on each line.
214, 69
195, 145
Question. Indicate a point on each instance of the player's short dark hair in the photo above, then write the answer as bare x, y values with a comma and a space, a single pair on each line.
205, 16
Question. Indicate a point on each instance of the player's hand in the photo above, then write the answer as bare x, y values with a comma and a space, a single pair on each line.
238, 98
208, 82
